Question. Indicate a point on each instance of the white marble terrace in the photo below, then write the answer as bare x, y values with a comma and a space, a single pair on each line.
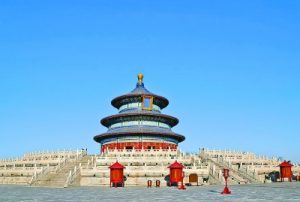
23, 170
246, 162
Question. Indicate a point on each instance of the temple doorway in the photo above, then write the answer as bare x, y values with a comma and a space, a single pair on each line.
193, 179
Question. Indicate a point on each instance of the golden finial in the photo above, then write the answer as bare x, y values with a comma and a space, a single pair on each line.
140, 78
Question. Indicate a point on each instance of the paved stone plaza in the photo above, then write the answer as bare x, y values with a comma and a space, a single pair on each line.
262, 192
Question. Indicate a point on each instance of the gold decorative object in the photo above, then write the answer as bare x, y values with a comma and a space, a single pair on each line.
140, 78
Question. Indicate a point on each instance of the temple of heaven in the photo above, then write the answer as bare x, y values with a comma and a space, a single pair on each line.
139, 123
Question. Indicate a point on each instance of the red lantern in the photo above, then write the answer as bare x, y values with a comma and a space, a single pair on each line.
226, 175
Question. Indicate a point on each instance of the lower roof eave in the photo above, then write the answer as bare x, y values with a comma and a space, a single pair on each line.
101, 137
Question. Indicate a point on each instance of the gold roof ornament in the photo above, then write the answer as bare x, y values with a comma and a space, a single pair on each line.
140, 78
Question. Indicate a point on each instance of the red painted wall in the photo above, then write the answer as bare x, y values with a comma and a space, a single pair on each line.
138, 145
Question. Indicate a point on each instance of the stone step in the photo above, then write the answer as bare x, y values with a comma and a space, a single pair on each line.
239, 178
59, 178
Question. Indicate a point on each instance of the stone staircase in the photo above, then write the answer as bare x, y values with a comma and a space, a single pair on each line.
83, 161
236, 176
239, 173
217, 175
60, 177
214, 179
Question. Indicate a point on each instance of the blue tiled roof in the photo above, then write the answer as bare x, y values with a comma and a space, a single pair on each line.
140, 130
170, 120
140, 89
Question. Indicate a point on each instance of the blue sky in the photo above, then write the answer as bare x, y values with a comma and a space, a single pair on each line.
230, 69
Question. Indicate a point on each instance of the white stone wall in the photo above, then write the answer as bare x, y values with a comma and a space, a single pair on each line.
21, 170
141, 166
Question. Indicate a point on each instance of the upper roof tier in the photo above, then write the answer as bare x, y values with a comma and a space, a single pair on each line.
135, 96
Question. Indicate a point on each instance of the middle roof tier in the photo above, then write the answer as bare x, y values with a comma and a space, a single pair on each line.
140, 116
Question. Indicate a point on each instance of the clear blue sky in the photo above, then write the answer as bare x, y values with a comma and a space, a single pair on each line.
231, 70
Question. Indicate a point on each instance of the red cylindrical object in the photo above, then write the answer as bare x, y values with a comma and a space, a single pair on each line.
149, 183
157, 183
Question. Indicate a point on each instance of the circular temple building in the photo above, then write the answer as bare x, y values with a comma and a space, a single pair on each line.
139, 123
